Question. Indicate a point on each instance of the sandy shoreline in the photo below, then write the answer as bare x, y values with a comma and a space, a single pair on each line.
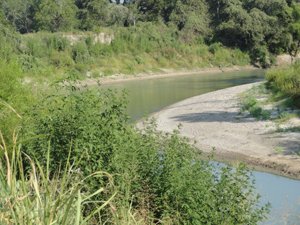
214, 122
165, 73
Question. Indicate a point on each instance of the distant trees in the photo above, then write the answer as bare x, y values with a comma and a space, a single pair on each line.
258, 26
56, 15
20, 13
294, 32
192, 17
92, 13
250, 23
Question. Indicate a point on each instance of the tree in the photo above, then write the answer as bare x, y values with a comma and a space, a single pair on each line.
150, 10
117, 15
20, 13
93, 13
251, 24
191, 17
56, 15
294, 32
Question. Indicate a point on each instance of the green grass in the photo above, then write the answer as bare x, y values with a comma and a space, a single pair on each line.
50, 173
250, 104
285, 83
144, 48
279, 150
33, 196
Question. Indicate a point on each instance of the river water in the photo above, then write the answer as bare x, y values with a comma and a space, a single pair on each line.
148, 96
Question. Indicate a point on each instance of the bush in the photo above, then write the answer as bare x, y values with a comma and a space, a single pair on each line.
61, 59
261, 55
35, 47
14, 96
159, 176
33, 197
80, 53
10, 75
56, 43
250, 104
213, 48
286, 81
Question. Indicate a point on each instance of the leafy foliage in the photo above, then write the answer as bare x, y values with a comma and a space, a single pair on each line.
55, 15
286, 81
35, 198
158, 174
260, 27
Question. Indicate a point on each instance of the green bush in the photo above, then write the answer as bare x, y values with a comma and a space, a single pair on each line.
213, 48
158, 174
80, 53
35, 46
56, 42
285, 81
28, 62
9, 43
250, 104
61, 59
14, 96
10, 75
261, 54
35, 198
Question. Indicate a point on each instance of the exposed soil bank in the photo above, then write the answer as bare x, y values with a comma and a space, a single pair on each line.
165, 73
214, 122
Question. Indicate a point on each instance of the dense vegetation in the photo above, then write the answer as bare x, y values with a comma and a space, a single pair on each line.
69, 156
180, 30
285, 82
143, 48
155, 177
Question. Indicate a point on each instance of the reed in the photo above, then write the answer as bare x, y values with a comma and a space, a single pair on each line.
34, 196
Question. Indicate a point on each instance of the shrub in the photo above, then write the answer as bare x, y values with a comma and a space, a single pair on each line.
35, 47
80, 53
35, 198
213, 48
61, 59
250, 104
285, 81
56, 42
159, 176
10, 75
261, 55
28, 62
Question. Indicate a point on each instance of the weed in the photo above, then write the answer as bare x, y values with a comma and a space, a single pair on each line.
279, 150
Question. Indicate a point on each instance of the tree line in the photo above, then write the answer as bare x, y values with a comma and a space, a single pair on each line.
258, 26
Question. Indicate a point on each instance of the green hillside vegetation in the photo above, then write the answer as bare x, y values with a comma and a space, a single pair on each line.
154, 177
148, 35
68, 154
285, 83
143, 48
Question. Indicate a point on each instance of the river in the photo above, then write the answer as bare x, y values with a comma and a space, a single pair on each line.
148, 96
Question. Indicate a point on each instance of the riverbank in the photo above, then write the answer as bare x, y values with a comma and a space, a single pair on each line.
163, 74
214, 121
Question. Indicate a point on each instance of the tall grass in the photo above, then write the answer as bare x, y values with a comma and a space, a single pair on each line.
286, 81
158, 177
144, 48
36, 197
